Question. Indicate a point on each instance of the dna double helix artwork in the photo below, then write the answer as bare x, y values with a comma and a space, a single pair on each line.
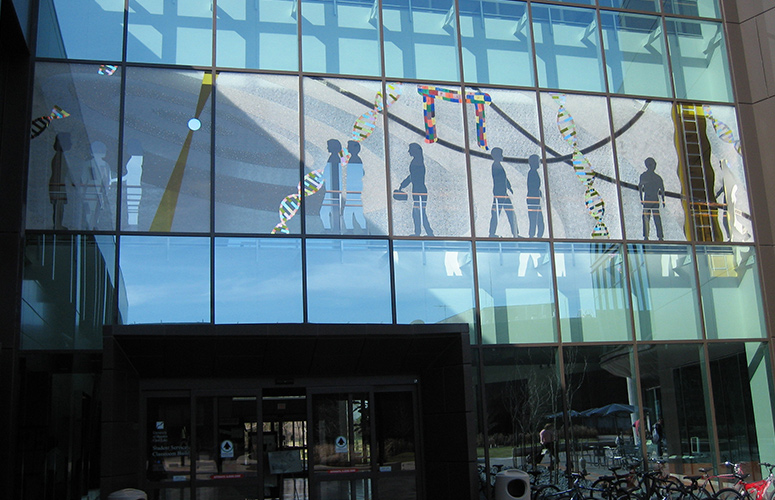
585, 173
429, 94
722, 130
40, 124
363, 127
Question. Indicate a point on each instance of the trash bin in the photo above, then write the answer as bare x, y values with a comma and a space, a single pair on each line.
129, 494
512, 484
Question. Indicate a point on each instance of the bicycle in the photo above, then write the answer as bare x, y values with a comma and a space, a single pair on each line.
755, 490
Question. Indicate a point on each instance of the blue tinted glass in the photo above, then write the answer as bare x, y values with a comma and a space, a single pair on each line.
258, 34
635, 55
702, 8
81, 29
166, 279
348, 281
567, 48
170, 32
496, 42
699, 56
647, 5
258, 280
515, 292
434, 282
420, 39
340, 37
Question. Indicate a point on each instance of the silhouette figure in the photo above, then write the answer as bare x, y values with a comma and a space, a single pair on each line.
60, 178
416, 178
95, 183
132, 181
330, 213
500, 198
651, 188
535, 214
353, 201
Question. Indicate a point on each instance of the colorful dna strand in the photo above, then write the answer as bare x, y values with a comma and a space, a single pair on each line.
429, 95
364, 126
722, 130
107, 69
584, 171
40, 124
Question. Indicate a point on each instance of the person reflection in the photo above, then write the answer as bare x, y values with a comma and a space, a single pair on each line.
534, 213
330, 210
353, 196
95, 183
501, 187
651, 188
416, 178
60, 179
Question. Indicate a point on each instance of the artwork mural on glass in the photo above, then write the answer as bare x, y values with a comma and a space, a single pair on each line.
580, 166
494, 51
167, 150
258, 34
508, 184
426, 153
257, 160
74, 150
344, 156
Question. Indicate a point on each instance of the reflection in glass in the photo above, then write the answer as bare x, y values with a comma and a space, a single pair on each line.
699, 57
167, 279
68, 290
73, 161
742, 391
336, 289
516, 302
702, 8
590, 282
341, 432
80, 29
420, 39
523, 392
226, 433
675, 421
352, 199
567, 48
166, 164
731, 293
258, 280
171, 33
168, 430
434, 282
646, 5
256, 151
664, 292
340, 37
394, 414
429, 180
635, 56
496, 42
580, 166
258, 34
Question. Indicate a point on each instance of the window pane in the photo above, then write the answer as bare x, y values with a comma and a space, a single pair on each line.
590, 283
511, 171
81, 29
676, 419
420, 39
68, 291
168, 424
731, 294
166, 178
515, 292
434, 282
170, 32
336, 289
257, 34
635, 55
580, 166
256, 151
664, 292
699, 56
167, 279
428, 169
567, 48
73, 157
647, 5
496, 42
703, 8
340, 37
353, 197
258, 280
744, 423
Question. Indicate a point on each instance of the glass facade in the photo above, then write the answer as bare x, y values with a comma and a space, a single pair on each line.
564, 177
